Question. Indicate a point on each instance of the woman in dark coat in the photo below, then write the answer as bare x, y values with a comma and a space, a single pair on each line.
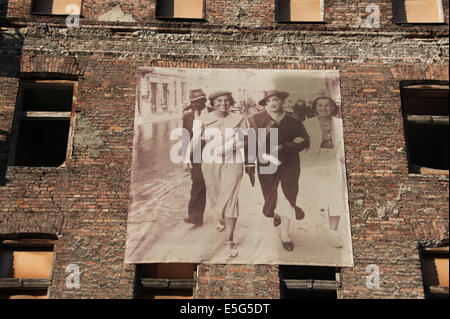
292, 139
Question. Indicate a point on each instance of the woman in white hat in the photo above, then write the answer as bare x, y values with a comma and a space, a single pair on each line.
223, 177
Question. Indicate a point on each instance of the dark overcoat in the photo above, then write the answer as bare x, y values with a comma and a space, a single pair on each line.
292, 139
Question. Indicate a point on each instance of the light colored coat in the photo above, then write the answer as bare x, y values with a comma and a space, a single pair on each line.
312, 155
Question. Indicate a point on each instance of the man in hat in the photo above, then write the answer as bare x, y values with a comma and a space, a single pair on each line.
292, 139
196, 207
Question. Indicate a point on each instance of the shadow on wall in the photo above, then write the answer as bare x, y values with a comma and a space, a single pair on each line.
11, 43
3, 8
4, 141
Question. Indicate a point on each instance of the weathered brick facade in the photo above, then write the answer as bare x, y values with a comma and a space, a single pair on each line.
85, 203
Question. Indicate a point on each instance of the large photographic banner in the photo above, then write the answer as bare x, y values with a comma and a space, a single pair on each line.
239, 166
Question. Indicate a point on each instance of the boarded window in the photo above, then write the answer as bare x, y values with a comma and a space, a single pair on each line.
25, 269
44, 124
418, 11
303, 282
299, 10
180, 9
57, 7
167, 281
426, 118
30, 262
24, 294
435, 269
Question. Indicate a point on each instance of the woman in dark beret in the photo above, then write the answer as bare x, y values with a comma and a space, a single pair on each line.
281, 187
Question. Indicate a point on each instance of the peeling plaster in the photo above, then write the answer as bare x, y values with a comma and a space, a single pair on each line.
86, 135
116, 15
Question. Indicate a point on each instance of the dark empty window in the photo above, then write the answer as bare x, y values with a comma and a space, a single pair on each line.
435, 272
44, 121
299, 10
42, 142
303, 282
47, 97
426, 117
25, 269
418, 11
56, 7
180, 9
166, 281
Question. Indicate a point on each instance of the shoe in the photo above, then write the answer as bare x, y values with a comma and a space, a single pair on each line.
299, 213
232, 250
289, 246
190, 220
276, 220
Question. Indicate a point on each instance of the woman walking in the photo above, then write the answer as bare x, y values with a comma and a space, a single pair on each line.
324, 131
222, 175
280, 189
325, 161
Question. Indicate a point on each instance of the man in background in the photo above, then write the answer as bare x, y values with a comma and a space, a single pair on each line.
197, 202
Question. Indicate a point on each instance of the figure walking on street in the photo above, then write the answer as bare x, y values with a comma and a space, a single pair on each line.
292, 139
197, 201
222, 177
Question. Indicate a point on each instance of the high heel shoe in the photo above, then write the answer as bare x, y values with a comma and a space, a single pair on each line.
299, 213
232, 250
276, 220
289, 246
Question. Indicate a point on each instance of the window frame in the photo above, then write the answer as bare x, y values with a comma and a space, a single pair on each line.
27, 115
20, 285
414, 168
398, 8
432, 253
169, 18
309, 285
278, 20
164, 284
53, 14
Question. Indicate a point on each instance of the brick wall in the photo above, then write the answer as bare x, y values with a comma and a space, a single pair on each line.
250, 13
86, 203
238, 281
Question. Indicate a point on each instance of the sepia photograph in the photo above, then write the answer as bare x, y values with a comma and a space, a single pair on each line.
189, 206
210, 149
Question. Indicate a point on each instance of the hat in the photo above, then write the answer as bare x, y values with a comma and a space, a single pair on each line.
196, 95
215, 95
270, 93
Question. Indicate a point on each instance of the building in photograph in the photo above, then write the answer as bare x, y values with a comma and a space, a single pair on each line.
74, 80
